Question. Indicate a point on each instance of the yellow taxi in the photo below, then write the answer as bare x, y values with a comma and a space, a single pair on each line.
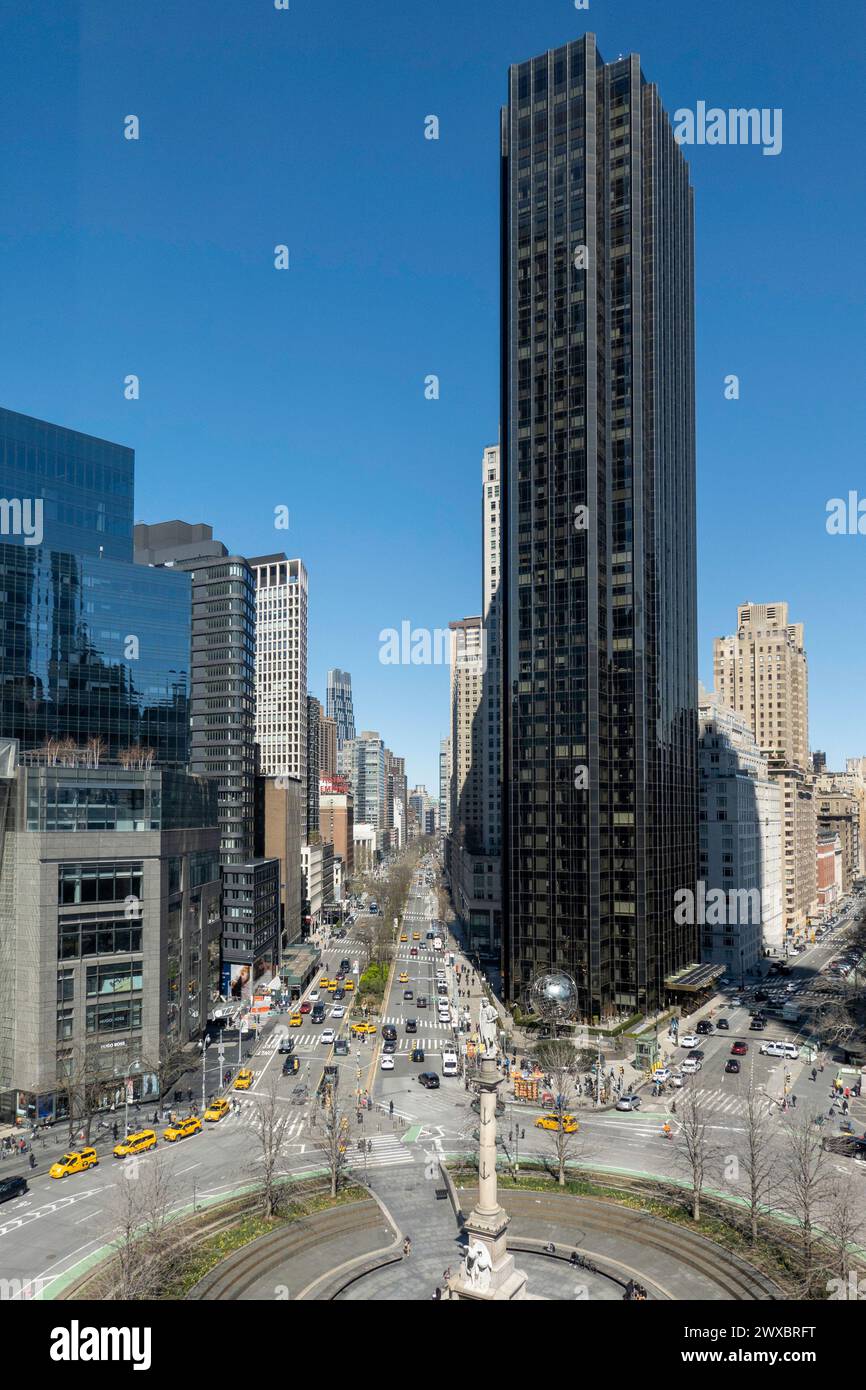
328, 984
181, 1129
569, 1123
244, 1079
216, 1110
332, 985
295, 1020
363, 1030
403, 936
348, 984
78, 1161
135, 1144
403, 978
416, 936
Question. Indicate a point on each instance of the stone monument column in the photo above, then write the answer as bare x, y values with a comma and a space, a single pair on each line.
487, 1273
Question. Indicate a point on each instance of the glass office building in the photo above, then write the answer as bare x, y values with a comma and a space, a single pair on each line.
91, 645
599, 590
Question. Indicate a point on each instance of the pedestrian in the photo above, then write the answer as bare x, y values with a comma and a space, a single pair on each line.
844, 1107
793, 1101
114, 1130
814, 1074
522, 1132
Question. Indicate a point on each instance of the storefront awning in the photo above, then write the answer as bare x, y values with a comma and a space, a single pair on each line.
694, 978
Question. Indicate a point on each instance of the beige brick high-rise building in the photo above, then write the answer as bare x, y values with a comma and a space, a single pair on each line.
761, 671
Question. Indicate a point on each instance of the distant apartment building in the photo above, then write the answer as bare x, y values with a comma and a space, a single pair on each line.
280, 825
364, 766
251, 936
819, 762
473, 872
327, 745
338, 705
739, 842
314, 716
829, 870
222, 669
337, 819
761, 671
444, 785
837, 812
317, 862
281, 596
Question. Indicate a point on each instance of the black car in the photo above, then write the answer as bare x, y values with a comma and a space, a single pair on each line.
344, 966
389, 1033
17, 1187
421, 1001
389, 1047
339, 994
408, 994
758, 1025
732, 1064
722, 1023
429, 1080
696, 1054
290, 1066
761, 995
705, 1027
287, 1046
411, 1025
417, 1054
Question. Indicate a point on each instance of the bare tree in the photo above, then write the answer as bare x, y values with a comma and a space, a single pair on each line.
271, 1122
95, 748
145, 1247
843, 1225
759, 1159
331, 1138
806, 1184
694, 1150
558, 1058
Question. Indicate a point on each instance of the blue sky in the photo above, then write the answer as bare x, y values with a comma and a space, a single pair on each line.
305, 388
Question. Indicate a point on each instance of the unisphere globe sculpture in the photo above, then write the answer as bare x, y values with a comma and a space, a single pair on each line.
553, 996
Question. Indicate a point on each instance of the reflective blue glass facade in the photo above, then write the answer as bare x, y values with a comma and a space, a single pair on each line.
91, 645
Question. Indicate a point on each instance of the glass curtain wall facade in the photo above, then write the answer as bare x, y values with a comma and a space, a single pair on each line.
91, 646
599, 601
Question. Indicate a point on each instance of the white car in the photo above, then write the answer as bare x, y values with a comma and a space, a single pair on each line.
314, 996
387, 1063
338, 1011
690, 1066
688, 1040
328, 1036
662, 1074
677, 1079
791, 1051
772, 1049
736, 1002
791, 987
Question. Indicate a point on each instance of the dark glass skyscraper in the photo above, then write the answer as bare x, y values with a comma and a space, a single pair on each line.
338, 705
599, 593
91, 646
